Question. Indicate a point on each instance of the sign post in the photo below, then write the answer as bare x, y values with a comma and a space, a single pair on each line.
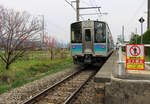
141, 20
135, 57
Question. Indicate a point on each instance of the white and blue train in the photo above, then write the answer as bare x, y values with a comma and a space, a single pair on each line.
91, 42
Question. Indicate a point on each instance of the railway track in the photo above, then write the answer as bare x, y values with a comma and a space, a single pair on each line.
65, 90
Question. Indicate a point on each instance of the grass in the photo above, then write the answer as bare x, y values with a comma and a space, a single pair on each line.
147, 58
26, 70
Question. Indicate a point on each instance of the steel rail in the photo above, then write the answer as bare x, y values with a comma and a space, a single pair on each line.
32, 100
69, 99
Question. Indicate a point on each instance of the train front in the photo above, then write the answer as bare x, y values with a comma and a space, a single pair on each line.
88, 42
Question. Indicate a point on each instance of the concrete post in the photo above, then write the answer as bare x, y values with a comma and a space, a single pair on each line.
120, 60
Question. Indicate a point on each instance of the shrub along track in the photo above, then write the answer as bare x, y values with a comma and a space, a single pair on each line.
65, 90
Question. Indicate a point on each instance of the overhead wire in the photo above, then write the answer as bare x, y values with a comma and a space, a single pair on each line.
73, 7
91, 3
137, 12
85, 3
100, 13
94, 4
70, 4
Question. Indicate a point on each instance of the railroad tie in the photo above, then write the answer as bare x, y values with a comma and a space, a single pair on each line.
99, 96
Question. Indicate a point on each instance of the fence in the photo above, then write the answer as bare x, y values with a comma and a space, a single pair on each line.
120, 62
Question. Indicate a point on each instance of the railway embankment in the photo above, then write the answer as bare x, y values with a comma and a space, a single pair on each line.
29, 90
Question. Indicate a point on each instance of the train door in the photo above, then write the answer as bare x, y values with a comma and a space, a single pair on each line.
88, 41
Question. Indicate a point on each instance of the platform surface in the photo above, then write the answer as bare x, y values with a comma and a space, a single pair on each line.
104, 74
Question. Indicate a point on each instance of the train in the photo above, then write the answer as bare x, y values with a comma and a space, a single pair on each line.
91, 42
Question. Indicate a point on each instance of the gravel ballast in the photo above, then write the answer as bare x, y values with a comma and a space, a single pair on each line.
86, 95
21, 94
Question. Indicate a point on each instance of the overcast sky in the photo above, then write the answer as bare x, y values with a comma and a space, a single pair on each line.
59, 15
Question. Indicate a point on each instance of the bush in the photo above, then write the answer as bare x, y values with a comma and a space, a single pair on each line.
146, 40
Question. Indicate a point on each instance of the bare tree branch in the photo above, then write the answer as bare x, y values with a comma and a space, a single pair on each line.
15, 29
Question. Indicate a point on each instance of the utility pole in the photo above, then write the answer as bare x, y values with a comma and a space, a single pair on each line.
43, 28
136, 34
43, 25
148, 17
122, 34
77, 10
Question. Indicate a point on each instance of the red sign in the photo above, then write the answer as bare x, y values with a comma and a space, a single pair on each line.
135, 57
135, 50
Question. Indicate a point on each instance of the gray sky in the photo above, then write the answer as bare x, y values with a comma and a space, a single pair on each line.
59, 15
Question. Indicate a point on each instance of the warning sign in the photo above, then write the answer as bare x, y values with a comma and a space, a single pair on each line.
135, 57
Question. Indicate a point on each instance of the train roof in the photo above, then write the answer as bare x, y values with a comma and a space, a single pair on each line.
91, 21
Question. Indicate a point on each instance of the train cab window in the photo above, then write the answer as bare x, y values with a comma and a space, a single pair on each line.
76, 33
87, 35
100, 32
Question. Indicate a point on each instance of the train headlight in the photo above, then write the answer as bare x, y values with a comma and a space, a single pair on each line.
73, 47
102, 47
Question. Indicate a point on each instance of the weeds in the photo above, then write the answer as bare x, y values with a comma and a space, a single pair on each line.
28, 69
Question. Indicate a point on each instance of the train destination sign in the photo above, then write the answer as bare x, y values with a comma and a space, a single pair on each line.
135, 57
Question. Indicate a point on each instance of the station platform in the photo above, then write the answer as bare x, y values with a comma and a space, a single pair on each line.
110, 69
104, 74
134, 74
132, 87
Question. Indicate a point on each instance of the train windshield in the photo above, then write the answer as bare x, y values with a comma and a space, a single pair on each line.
100, 32
76, 33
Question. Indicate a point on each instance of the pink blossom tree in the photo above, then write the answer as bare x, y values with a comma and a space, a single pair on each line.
50, 43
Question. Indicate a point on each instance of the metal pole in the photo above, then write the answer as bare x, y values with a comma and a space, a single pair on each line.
77, 10
90, 7
43, 28
141, 33
120, 60
122, 34
136, 34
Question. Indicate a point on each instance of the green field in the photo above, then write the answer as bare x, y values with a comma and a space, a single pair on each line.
33, 66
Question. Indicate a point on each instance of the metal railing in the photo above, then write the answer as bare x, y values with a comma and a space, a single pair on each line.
120, 62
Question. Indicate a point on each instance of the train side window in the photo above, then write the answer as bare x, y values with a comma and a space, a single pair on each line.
88, 35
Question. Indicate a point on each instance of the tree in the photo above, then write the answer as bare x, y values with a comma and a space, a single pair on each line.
16, 28
68, 46
50, 43
134, 38
146, 40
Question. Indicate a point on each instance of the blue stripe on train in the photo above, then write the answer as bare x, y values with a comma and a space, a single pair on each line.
76, 47
99, 47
